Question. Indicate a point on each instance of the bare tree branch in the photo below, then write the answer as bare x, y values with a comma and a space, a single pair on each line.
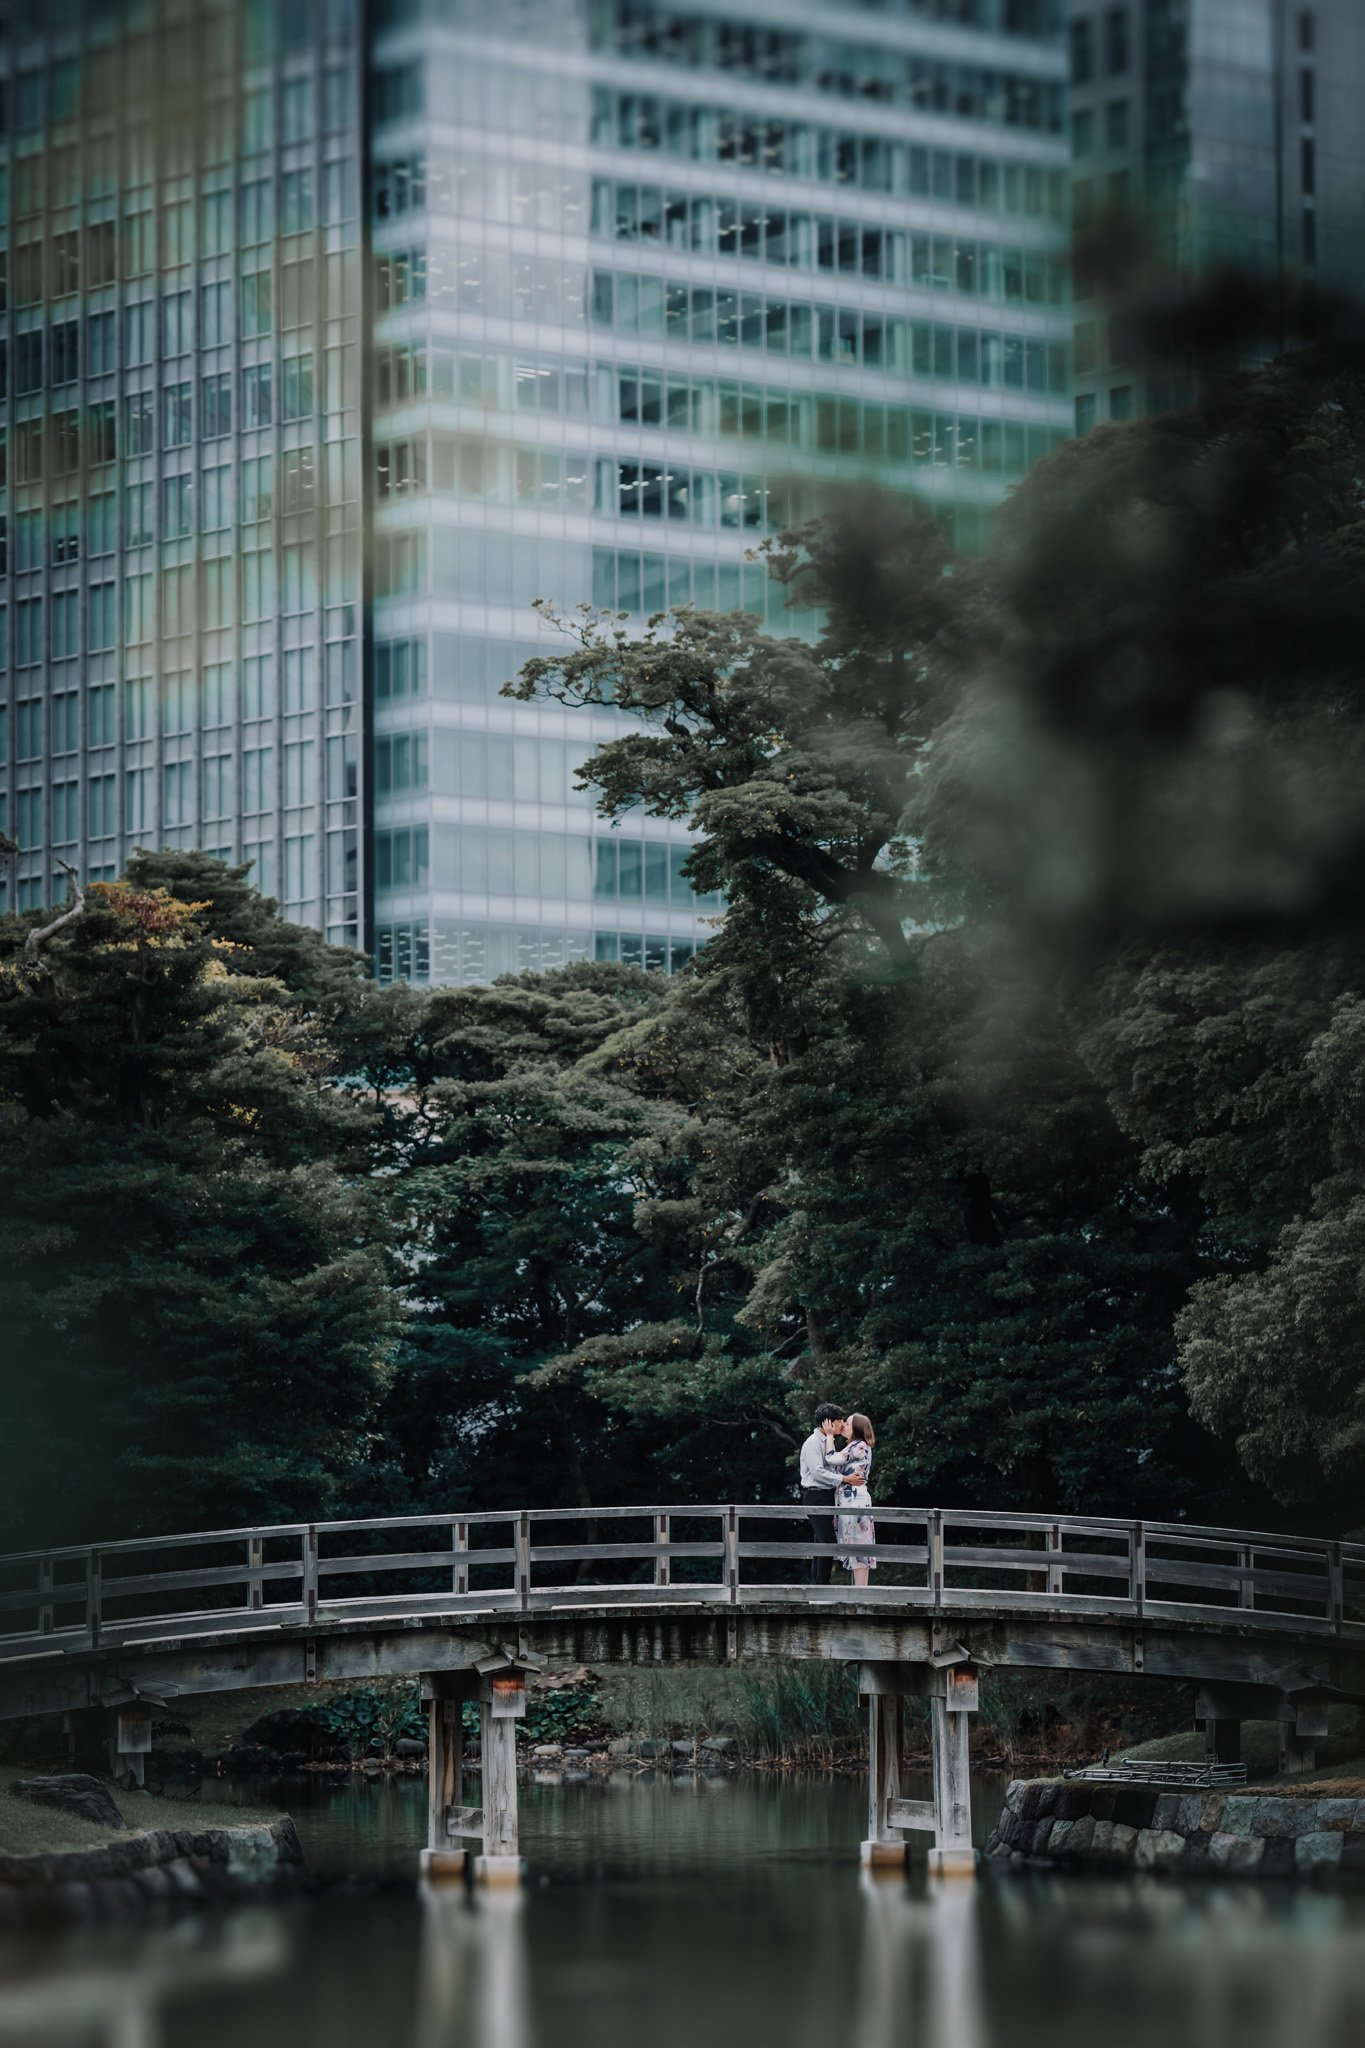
40, 932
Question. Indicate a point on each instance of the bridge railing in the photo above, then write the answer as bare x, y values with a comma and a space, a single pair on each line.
161, 1589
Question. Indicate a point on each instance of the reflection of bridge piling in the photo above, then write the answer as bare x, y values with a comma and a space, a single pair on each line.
472, 1977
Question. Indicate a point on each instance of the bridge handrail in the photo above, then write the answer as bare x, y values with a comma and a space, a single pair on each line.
1033, 1519
1222, 1577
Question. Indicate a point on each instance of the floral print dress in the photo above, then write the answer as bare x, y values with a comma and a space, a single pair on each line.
854, 1501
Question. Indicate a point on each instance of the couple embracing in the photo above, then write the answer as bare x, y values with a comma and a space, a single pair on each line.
834, 1484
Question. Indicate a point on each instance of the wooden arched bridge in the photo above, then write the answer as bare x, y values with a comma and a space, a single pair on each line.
1263, 1625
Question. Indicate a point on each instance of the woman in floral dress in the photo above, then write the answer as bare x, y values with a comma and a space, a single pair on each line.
853, 1501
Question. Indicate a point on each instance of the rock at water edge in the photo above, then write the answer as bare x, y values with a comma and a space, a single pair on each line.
72, 1792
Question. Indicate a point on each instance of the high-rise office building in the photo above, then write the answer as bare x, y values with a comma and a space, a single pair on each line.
385, 323
1232, 130
181, 199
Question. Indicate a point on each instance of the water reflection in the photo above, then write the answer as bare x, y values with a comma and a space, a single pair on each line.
473, 1974
113, 1991
664, 1914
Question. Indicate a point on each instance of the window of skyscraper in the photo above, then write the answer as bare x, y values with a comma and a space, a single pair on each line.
1116, 40
175, 415
100, 345
66, 352
66, 531
256, 395
1082, 37
101, 432
175, 507
28, 361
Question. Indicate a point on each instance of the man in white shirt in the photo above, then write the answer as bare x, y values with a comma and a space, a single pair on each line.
818, 1481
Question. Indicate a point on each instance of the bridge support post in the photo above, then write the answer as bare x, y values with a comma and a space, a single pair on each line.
500, 1862
951, 1687
1223, 1740
130, 1739
952, 1854
884, 1847
445, 1694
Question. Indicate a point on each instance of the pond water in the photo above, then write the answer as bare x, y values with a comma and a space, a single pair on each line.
671, 1913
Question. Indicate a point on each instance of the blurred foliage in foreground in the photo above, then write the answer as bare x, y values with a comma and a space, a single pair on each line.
1016, 1100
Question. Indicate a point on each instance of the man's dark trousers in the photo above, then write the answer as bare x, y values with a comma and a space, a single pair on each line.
819, 1502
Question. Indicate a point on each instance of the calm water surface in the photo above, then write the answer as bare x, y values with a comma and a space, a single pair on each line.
671, 1914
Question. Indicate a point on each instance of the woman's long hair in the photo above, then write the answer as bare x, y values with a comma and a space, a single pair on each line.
860, 1426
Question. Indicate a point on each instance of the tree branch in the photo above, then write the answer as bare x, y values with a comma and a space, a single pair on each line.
39, 933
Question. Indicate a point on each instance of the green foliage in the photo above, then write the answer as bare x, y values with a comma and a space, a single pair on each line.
370, 1719
193, 1266
559, 1713
805, 1712
1005, 1050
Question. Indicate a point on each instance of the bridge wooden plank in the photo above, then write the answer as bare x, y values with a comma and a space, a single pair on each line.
60, 1596
889, 1553
421, 1560
813, 1597
175, 1628
57, 1642
587, 1553
383, 1606
1177, 1533
184, 1582
962, 1556
912, 1814
464, 1820
712, 1596
1306, 1585
1014, 1600
410, 1561
1242, 1618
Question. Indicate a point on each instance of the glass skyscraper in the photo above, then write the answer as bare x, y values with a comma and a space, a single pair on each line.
181, 196
381, 325
1233, 130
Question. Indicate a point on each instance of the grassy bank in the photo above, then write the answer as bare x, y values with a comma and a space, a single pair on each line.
804, 1713
1338, 1752
29, 1830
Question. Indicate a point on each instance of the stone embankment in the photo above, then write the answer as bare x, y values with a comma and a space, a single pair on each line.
155, 1867
1100, 1825
547, 1761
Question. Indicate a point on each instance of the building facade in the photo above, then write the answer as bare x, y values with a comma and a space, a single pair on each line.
384, 324
183, 502
1232, 129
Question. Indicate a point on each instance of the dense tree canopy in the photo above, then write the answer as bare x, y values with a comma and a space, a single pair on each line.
1016, 1096
192, 1265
